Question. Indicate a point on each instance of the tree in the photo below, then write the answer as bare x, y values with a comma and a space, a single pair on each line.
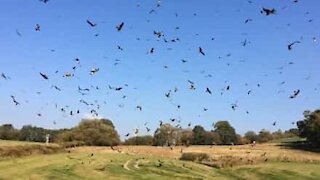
96, 132
186, 137
140, 140
8, 132
167, 135
226, 132
264, 136
199, 134
309, 127
293, 132
278, 134
212, 138
32, 133
251, 136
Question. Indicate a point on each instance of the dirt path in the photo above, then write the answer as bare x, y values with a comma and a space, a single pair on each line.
125, 166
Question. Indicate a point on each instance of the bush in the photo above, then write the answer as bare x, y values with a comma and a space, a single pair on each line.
92, 133
195, 156
27, 150
140, 140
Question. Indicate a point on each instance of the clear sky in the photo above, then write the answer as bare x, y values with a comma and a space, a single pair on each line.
217, 26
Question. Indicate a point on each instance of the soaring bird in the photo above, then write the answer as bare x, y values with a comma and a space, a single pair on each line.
291, 44
295, 94
268, 12
120, 26
208, 91
44, 76
91, 23
201, 51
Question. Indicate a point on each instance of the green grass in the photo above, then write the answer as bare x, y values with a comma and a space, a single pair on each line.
100, 166
288, 140
275, 170
15, 143
110, 166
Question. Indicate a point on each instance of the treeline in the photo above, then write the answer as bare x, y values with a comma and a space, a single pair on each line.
101, 132
28, 133
89, 132
222, 134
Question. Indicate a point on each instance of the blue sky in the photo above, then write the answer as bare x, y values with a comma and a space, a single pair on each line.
65, 35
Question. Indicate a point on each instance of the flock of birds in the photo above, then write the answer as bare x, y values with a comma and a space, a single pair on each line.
95, 106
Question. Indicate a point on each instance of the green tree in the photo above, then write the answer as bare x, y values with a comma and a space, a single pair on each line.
167, 135
97, 132
199, 135
265, 136
211, 138
226, 132
140, 140
186, 136
32, 133
8, 132
251, 136
309, 127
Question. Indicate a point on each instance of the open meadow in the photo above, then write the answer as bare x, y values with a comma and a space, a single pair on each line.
263, 161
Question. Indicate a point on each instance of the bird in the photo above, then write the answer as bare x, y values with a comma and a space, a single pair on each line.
183, 61
127, 135
37, 28
68, 75
120, 48
136, 131
91, 23
168, 94
139, 108
44, 76
208, 91
233, 106
160, 123
295, 94
44, 1
93, 71
4, 76
158, 33
18, 33
247, 20
268, 12
56, 87
274, 123
201, 51
14, 100
291, 44
120, 26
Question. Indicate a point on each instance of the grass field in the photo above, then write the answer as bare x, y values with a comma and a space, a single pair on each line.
132, 162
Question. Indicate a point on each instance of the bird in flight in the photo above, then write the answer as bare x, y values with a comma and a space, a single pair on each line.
44, 76
291, 44
268, 12
201, 51
120, 26
91, 23
295, 94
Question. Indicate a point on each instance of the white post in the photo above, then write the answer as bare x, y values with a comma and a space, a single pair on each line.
47, 138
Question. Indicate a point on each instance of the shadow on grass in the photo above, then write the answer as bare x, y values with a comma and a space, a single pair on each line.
300, 145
